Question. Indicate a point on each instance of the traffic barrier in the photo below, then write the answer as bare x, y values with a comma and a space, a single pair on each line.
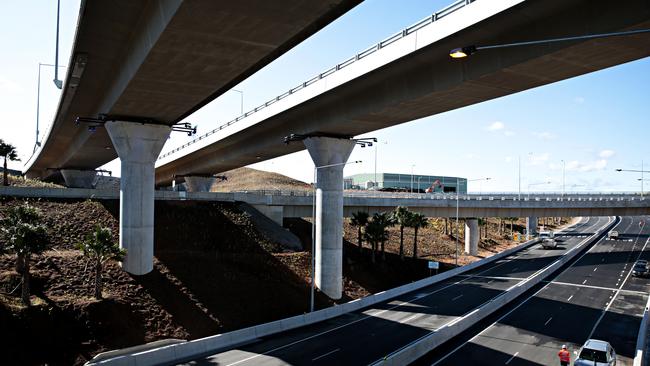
199, 347
642, 338
425, 344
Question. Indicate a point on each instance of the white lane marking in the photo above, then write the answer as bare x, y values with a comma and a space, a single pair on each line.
326, 354
496, 277
609, 304
583, 282
609, 219
595, 287
513, 356
595, 269
514, 269
569, 299
457, 297
549, 319
410, 318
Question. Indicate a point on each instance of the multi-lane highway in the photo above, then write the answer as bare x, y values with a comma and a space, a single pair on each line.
596, 297
371, 334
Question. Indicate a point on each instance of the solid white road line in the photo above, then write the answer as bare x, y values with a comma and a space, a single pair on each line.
457, 297
596, 287
526, 300
513, 356
549, 319
326, 354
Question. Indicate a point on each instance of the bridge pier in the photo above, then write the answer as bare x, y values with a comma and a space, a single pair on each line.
471, 236
531, 225
199, 184
329, 156
75, 178
138, 145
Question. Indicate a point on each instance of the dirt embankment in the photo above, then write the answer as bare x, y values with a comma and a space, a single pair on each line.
213, 272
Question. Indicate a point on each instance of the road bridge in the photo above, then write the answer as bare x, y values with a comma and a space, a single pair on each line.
409, 76
139, 67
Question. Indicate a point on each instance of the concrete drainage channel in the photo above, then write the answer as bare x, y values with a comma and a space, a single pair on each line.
174, 352
425, 344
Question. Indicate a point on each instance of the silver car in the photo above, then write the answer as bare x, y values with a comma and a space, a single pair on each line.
596, 353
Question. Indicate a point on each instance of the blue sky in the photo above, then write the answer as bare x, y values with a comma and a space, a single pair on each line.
595, 123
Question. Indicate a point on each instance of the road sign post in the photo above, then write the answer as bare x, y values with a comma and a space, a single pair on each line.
433, 265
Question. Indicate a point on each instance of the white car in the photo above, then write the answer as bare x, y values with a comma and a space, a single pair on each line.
596, 353
612, 234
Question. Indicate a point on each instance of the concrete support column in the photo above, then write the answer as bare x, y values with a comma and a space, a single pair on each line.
531, 225
138, 146
326, 151
75, 178
199, 184
471, 236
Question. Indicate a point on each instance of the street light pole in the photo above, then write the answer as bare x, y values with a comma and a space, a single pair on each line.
519, 163
563, 176
38, 101
313, 229
457, 193
241, 101
636, 171
412, 165
57, 82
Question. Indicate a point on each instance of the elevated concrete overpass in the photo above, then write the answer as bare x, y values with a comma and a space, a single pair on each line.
410, 75
162, 61
139, 67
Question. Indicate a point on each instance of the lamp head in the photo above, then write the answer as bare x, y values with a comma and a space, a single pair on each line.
58, 83
462, 52
619, 170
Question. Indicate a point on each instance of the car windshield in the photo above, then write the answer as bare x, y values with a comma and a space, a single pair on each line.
593, 355
639, 267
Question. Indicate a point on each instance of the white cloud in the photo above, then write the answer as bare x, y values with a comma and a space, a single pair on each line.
596, 165
509, 133
495, 126
471, 156
509, 159
538, 159
605, 154
544, 135
579, 100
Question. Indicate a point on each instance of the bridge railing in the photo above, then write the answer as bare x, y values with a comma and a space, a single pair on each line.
492, 196
370, 50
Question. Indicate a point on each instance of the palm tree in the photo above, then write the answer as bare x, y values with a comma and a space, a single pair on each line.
24, 239
417, 221
360, 220
8, 152
401, 215
99, 248
374, 234
386, 220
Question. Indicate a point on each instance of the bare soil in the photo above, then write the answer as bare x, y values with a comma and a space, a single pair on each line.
213, 272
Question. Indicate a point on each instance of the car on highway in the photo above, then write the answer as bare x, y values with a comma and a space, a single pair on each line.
548, 239
640, 268
596, 353
612, 234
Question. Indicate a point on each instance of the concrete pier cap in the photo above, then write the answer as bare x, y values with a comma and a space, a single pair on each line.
199, 183
329, 155
79, 178
471, 236
137, 145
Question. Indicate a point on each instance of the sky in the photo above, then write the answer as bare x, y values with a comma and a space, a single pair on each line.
585, 127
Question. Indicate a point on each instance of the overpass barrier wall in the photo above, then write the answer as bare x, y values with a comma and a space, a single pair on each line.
640, 356
424, 345
205, 346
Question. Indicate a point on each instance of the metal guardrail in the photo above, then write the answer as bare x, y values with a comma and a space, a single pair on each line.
507, 196
368, 51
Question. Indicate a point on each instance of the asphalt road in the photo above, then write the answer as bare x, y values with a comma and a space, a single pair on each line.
362, 337
596, 297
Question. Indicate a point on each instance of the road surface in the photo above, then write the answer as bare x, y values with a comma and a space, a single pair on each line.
596, 297
362, 337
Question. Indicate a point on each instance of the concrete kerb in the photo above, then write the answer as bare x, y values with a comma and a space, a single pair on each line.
420, 347
200, 347
641, 340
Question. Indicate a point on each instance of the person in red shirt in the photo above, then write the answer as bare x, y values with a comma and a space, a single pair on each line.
565, 356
